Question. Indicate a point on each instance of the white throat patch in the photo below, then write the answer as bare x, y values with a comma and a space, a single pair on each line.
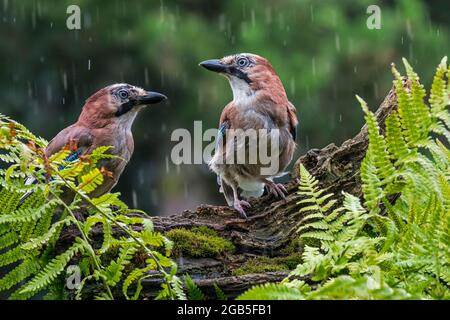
125, 121
242, 93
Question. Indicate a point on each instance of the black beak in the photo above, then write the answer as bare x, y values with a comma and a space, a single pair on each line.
215, 65
150, 98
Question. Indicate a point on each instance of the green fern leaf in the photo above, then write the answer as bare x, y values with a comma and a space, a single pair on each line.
271, 291
52, 269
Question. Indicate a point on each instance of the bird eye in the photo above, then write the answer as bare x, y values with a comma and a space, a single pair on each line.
242, 62
123, 94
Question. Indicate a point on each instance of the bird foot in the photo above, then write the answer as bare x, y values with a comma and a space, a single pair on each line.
239, 207
278, 190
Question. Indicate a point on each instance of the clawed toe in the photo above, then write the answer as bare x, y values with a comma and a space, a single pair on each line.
238, 206
245, 204
278, 190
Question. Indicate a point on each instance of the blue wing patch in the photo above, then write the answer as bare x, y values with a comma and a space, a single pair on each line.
221, 133
74, 156
31, 180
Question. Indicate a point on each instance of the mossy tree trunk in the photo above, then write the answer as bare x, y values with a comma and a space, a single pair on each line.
265, 245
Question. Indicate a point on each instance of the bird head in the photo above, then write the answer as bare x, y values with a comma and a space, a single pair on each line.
249, 75
117, 103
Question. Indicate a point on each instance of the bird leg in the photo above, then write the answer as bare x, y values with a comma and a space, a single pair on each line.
238, 204
277, 189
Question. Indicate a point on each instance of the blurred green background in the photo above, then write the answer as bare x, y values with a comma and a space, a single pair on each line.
322, 51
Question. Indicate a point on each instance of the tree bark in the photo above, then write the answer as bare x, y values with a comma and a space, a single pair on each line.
271, 222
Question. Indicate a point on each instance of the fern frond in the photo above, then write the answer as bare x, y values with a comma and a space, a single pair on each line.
18, 274
52, 269
113, 273
193, 291
271, 291
439, 95
91, 180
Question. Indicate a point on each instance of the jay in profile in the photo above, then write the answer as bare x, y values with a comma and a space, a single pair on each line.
105, 120
259, 102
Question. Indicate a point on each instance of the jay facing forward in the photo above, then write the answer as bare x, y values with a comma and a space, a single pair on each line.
105, 120
259, 102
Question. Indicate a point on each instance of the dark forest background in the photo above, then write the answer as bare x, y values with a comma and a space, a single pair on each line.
322, 51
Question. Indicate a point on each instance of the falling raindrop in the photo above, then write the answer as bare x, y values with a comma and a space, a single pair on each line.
244, 11
161, 11
167, 165
375, 90
337, 41
89, 64
49, 93
154, 196
281, 21
146, 78
409, 31
30, 90
292, 85
134, 197
39, 11
65, 80
269, 15
141, 177
87, 21
222, 22
313, 65
33, 19
253, 18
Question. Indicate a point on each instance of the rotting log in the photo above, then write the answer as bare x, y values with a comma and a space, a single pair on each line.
271, 222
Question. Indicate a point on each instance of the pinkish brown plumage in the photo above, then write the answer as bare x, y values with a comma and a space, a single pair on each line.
106, 120
259, 103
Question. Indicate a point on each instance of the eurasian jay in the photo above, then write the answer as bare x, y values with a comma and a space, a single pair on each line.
259, 102
106, 120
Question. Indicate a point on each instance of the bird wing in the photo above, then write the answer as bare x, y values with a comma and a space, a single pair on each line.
221, 133
293, 121
79, 135
219, 138
224, 124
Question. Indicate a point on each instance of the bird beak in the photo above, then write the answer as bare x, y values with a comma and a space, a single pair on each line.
150, 98
215, 65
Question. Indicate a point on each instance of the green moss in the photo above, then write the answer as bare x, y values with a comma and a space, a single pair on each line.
199, 242
294, 246
297, 244
267, 264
